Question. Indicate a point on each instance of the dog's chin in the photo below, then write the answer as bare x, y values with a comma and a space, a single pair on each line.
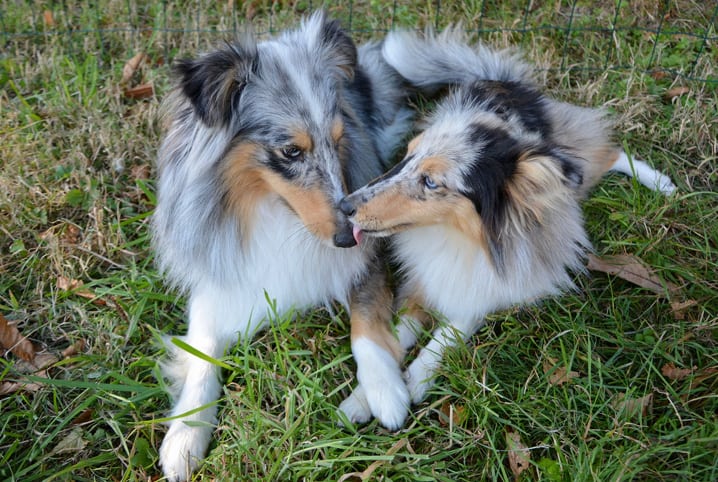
382, 232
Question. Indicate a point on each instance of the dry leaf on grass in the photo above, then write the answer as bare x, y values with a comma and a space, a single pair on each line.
631, 407
73, 442
519, 455
367, 473
452, 414
66, 284
632, 269
672, 372
142, 91
679, 308
11, 339
48, 18
557, 375
132, 66
671, 94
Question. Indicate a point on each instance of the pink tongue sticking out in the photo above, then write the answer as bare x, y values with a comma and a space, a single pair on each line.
356, 231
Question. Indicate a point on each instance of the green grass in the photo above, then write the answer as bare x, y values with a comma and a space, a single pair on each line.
76, 193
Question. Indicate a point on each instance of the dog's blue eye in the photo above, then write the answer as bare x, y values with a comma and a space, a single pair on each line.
292, 153
429, 182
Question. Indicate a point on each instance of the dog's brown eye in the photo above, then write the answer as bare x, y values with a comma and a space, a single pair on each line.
429, 182
292, 153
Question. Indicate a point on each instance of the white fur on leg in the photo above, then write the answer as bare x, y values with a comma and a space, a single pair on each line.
380, 376
645, 174
356, 406
420, 374
183, 449
408, 331
184, 446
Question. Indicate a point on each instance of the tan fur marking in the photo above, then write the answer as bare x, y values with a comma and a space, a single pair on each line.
395, 211
465, 219
600, 159
536, 187
413, 307
372, 321
311, 205
435, 165
337, 130
413, 144
242, 178
302, 140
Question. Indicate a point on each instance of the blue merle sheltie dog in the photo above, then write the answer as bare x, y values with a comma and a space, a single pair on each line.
263, 140
483, 211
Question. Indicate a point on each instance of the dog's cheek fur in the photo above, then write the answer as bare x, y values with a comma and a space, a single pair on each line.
311, 204
243, 183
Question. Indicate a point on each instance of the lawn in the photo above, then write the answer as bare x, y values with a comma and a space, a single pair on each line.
612, 382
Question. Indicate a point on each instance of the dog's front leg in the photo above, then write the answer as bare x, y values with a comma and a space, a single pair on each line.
420, 374
381, 391
196, 382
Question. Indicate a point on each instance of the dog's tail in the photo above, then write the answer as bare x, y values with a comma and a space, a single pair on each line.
432, 61
643, 173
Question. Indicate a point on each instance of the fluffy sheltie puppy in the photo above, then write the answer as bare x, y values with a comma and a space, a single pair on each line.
483, 211
263, 140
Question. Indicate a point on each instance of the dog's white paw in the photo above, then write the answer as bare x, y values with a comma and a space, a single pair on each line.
419, 379
665, 184
182, 450
356, 407
380, 376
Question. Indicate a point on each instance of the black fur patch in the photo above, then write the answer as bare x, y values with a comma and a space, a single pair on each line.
570, 167
213, 83
396, 169
514, 98
497, 155
281, 166
341, 48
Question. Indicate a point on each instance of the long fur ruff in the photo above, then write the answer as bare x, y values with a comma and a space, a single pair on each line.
263, 139
483, 211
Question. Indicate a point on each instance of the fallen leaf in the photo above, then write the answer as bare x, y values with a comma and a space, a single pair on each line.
8, 388
84, 417
706, 373
71, 234
367, 473
142, 91
519, 455
632, 269
140, 171
451, 414
672, 372
48, 18
131, 66
72, 442
631, 407
66, 284
557, 374
73, 349
671, 94
678, 308
11, 339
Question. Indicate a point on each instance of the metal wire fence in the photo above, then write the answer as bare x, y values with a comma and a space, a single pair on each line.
660, 37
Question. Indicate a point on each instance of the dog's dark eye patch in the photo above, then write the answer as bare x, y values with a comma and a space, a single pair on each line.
279, 164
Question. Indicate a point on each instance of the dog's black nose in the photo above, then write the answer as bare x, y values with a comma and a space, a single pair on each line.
344, 238
346, 207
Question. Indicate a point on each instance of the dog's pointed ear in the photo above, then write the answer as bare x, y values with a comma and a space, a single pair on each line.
336, 45
214, 82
